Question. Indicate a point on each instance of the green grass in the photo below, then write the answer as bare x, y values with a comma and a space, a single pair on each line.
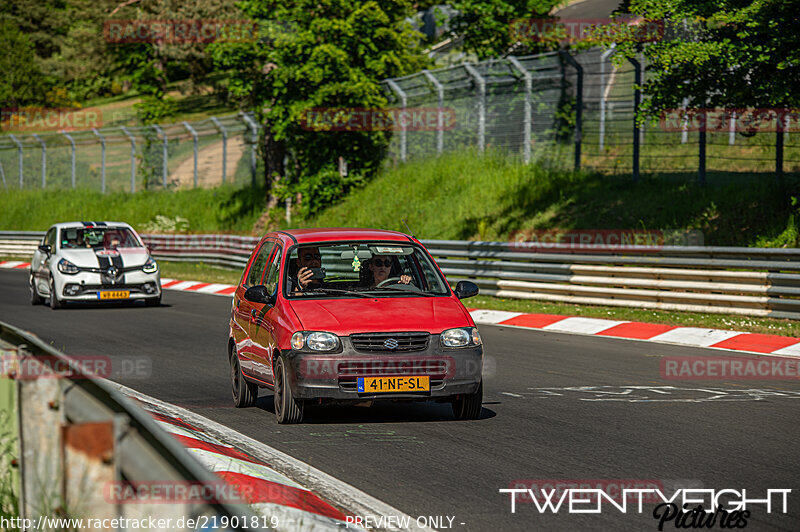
465, 196
199, 271
223, 209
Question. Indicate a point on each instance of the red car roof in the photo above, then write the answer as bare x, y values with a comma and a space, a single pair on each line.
329, 234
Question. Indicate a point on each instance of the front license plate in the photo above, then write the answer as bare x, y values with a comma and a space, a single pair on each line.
393, 384
114, 294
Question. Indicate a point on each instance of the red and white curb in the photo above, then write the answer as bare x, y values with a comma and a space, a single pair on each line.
216, 289
14, 265
765, 344
249, 465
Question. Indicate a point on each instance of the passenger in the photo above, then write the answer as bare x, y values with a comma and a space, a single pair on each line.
380, 268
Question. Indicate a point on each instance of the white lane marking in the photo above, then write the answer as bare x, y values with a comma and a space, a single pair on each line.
582, 325
694, 336
511, 394
324, 485
492, 316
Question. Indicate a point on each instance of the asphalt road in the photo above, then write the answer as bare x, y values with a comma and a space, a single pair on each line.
416, 458
589, 9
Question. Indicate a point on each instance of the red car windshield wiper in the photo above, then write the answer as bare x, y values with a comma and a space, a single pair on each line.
334, 291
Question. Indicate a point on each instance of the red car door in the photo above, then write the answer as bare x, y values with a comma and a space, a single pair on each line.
262, 328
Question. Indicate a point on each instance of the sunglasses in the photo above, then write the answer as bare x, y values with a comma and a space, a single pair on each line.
379, 263
310, 256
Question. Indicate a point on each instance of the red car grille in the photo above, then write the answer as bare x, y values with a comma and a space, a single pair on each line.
390, 342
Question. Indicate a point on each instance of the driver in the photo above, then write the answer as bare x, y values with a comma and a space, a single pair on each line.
307, 258
382, 267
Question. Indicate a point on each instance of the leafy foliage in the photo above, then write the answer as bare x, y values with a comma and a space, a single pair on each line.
21, 80
721, 53
319, 54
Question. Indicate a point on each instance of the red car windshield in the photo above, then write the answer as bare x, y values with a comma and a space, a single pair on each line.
375, 269
98, 237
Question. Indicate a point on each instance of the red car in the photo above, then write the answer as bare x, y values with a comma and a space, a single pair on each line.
346, 316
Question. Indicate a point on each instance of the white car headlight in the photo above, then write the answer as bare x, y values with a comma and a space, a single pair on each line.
66, 267
150, 266
461, 337
315, 341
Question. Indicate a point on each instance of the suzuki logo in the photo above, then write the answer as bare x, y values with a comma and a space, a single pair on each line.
391, 343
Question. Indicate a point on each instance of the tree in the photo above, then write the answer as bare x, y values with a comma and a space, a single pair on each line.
486, 25
21, 81
721, 53
319, 54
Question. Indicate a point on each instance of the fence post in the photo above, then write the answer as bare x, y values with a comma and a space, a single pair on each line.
440, 121
732, 129
637, 98
779, 147
254, 129
44, 160
701, 171
685, 130
578, 106
3, 174
133, 157
191, 130
526, 124
102, 160
72, 143
603, 94
163, 154
403, 123
16, 141
481, 82
224, 146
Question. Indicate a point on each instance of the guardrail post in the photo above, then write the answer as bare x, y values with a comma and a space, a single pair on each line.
403, 133
603, 90
133, 157
16, 141
526, 120
102, 160
578, 106
72, 143
481, 83
224, 146
637, 99
163, 154
44, 159
440, 120
251, 124
191, 130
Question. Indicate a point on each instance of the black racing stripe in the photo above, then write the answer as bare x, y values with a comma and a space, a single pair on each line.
100, 224
103, 262
87, 224
117, 262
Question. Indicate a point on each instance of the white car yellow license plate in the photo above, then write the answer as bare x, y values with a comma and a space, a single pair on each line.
114, 294
417, 383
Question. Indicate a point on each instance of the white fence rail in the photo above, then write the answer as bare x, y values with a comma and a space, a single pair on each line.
727, 280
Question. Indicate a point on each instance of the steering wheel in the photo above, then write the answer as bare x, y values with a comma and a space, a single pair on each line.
392, 280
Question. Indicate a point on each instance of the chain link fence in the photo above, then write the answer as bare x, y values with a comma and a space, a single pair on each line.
576, 110
113, 159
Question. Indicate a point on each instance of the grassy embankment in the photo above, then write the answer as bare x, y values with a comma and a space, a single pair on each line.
463, 196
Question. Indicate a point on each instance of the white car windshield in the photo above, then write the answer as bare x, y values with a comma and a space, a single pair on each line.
98, 237
369, 269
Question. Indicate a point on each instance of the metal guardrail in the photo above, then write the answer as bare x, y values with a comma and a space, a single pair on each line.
726, 280
78, 439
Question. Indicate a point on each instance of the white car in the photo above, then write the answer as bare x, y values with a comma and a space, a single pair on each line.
91, 261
